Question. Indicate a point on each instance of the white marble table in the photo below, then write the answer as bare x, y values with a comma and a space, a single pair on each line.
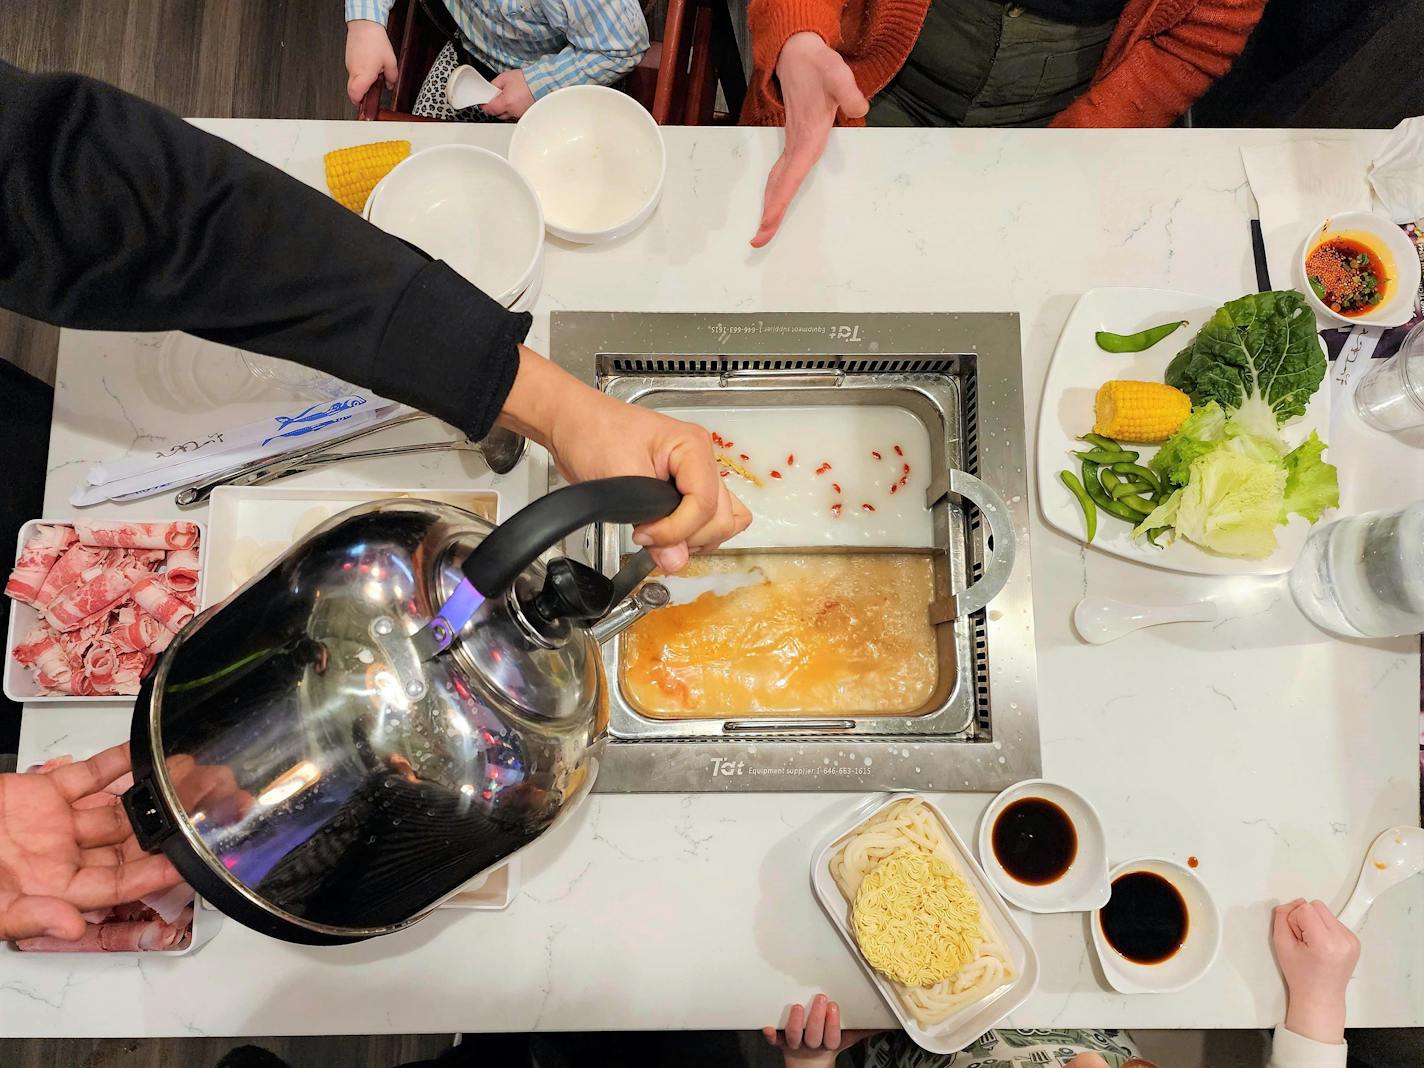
1269, 751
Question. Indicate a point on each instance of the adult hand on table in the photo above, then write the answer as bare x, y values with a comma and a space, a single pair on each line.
813, 1035
591, 435
61, 855
815, 83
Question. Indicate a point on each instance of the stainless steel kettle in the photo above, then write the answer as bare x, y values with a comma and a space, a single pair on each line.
398, 703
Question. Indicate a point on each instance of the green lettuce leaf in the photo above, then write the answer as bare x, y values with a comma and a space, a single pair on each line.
1256, 354
1203, 431
1164, 515
1311, 482
1232, 504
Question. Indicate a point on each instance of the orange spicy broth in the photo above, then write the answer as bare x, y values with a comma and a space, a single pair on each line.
826, 634
1348, 275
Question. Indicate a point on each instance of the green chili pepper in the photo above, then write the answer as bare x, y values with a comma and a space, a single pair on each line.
1145, 474
1107, 457
1138, 342
1094, 486
1090, 510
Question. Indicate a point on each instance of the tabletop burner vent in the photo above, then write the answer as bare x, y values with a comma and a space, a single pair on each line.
647, 365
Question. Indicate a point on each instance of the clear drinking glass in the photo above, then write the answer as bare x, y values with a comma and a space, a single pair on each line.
1363, 576
1391, 396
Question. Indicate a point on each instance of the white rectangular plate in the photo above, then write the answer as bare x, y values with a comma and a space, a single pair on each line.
19, 684
1079, 367
969, 1023
269, 515
493, 890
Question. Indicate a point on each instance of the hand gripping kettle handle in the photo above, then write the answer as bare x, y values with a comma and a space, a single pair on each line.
519, 540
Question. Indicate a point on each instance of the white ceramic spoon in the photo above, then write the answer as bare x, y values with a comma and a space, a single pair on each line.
1102, 619
1393, 857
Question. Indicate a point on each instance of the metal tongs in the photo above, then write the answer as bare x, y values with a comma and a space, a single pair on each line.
502, 450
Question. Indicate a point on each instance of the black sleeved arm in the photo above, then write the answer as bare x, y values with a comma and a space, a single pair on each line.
117, 215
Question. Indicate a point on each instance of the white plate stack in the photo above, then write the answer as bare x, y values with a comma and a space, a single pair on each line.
468, 207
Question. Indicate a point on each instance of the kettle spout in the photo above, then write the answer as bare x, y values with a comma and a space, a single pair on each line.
625, 613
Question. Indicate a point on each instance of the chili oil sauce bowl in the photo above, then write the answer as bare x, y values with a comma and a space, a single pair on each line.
1159, 931
1043, 847
1397, 257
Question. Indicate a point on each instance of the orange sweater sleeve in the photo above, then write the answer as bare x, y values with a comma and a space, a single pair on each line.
1164, 73
771, 22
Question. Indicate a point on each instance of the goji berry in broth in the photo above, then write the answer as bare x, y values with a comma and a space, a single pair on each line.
776, 474
899, 451
791, 460
868, 507
836, 486
823, 469
875, 454
836, 509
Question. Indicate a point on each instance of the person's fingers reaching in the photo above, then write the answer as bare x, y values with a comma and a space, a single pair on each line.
816, 1022
103, 886
815, 84
106, 825
34, 917
91, 776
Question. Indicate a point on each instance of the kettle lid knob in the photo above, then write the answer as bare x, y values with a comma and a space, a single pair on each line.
572, 591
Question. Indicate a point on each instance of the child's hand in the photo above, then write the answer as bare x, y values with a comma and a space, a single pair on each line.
1317, 954
514, 97
368, 56
813, 1035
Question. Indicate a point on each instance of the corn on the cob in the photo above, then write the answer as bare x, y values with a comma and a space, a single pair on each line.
1140, 411
351, 173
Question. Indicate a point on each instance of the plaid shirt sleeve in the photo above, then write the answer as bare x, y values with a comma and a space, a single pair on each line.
606, 38
373, 10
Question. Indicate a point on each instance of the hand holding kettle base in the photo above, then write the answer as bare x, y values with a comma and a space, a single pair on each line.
401, 701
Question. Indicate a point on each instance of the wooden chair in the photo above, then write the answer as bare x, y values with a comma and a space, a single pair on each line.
676, 80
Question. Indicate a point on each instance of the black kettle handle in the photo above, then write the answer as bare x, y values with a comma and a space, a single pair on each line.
519, 540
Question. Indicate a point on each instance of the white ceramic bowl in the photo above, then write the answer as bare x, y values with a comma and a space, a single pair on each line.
1189, 963
468, 207
596, 158
1084, 886
1402, 264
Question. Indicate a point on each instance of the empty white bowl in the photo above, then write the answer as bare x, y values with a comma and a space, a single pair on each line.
1084, 886
468, 207
1401, 263
1190, 962
596, 158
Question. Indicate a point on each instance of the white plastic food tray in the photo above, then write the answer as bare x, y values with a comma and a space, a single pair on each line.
957, 1032
270, 514
19, 684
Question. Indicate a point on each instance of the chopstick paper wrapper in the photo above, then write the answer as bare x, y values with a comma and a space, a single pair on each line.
178, 464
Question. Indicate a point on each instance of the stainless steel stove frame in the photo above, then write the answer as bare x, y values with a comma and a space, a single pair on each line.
961, 375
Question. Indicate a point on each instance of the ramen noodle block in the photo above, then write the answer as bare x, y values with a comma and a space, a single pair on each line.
896, 835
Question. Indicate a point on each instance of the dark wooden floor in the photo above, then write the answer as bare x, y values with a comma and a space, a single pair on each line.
381, 1051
